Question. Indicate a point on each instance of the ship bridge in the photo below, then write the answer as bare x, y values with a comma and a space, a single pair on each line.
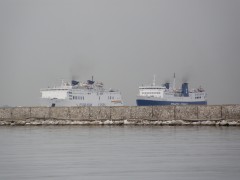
155, 91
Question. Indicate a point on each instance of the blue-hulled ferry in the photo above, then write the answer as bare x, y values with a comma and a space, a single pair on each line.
167, 94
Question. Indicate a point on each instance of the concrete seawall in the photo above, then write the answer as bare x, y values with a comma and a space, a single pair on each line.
221, 115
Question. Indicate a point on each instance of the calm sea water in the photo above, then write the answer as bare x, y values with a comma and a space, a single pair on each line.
119, 152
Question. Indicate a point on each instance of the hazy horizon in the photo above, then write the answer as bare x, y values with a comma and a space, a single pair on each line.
122, 43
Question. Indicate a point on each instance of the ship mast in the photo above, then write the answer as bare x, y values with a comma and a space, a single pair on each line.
174, 82
154, 79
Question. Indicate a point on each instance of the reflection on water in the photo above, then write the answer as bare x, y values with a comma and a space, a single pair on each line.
119, 152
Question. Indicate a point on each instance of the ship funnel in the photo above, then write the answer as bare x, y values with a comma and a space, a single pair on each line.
185, 90
167, 85
90, 82
74, 83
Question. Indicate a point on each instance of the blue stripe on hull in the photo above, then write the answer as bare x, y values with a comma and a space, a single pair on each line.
141, 102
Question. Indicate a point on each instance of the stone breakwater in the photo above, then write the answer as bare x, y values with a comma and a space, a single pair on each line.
221, 115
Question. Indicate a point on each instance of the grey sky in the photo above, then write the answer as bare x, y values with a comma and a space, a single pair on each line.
122, 43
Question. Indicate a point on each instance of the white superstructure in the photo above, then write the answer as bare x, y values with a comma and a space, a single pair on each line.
88, 93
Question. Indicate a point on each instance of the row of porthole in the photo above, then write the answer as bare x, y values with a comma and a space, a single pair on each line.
151, 93
78, 97
82, 97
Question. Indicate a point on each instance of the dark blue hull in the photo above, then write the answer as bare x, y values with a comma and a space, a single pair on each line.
141, 102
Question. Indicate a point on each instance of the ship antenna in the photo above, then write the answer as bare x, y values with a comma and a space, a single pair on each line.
154, 79
174, 81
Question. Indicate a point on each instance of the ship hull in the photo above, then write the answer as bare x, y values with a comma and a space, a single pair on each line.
144, 102
70, 103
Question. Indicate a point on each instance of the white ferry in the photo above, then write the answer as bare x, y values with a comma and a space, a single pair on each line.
167, 94
77, 93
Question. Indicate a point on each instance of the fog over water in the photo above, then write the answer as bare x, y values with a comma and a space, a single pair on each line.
120, 42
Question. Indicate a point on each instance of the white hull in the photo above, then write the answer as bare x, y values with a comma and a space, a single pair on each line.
92, 100
84, 94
